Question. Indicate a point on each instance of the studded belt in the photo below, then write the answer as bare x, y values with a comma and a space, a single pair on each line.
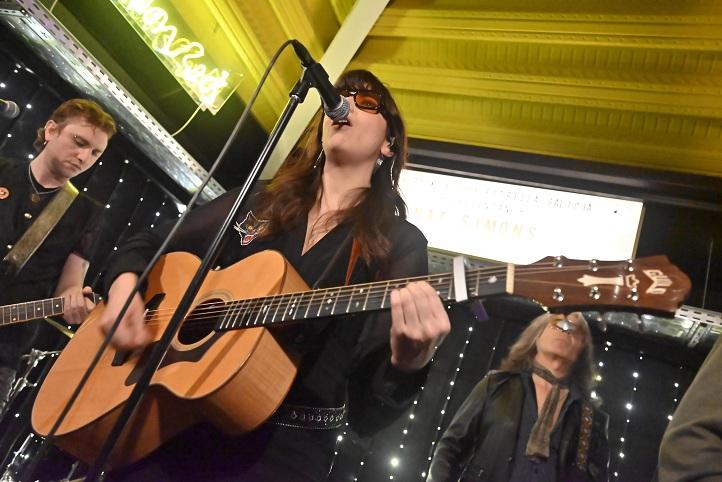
315, 418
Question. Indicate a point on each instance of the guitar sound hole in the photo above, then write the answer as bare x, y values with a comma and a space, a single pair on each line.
200, 322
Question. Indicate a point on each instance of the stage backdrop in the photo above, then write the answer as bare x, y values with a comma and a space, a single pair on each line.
639, 391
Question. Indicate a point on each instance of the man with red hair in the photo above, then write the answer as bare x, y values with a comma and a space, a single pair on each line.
69, 143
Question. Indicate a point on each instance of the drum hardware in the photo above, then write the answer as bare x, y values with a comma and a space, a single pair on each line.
31, 361
30, 445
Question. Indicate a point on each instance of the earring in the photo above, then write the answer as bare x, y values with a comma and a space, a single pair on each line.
379, 162
318, 159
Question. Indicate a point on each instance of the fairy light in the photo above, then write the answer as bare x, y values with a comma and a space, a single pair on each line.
629, 407
676, 396
445, 406
623, 402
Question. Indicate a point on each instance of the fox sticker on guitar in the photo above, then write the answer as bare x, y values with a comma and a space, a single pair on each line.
226, 367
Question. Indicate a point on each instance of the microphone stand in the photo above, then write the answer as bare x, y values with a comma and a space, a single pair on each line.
296, 96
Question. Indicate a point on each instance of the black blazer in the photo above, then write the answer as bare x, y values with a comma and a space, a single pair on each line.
480, 441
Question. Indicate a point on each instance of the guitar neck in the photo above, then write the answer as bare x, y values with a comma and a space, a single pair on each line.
33, 310
290, 307
645, 284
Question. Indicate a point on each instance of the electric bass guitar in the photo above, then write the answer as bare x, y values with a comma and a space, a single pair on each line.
227, 367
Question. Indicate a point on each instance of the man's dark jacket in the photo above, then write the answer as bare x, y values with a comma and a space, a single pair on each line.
480, 441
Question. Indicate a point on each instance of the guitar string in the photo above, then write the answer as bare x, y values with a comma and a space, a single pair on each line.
250, 318
27, 304
471, 276
338, 296
344, 294
252, 309
527, 269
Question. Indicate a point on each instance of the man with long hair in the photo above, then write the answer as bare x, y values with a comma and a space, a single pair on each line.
336, 195
69, 143
534, 419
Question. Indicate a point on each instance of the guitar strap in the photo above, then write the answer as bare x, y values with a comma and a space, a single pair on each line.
34, 236
585, 433
355, 252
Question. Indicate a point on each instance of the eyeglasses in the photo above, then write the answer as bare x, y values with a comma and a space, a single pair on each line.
366, 100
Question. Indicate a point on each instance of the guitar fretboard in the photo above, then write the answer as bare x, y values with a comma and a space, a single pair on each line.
31, 310
290, 307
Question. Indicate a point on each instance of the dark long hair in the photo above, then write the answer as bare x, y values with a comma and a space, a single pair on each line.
293, 190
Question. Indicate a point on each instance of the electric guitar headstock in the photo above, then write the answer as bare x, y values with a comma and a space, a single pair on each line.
650, 284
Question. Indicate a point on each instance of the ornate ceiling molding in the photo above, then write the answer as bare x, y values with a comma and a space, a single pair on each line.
619, 86
636, 82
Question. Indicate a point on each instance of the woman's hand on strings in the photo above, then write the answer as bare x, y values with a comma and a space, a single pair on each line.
419, 324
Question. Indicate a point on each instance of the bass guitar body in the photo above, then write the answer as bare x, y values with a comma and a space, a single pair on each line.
233, 379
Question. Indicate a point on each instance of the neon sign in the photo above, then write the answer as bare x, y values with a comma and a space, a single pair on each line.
209, 85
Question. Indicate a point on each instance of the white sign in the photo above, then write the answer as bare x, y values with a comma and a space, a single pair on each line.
518, 224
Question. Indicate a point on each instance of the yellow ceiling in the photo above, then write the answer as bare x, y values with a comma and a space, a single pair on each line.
635, 82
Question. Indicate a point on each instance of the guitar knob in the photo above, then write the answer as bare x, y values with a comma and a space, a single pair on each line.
633, 294
558, 295
594, 293
630, 265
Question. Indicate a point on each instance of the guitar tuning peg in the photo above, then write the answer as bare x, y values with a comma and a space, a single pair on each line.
593, 264
629, 265
558, 261
558, 295
633, 294
594, 293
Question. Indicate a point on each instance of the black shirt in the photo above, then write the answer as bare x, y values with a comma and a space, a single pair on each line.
39, 277
73, 233
524, 468
335, 351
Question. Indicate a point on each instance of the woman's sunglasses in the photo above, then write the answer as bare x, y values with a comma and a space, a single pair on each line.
366, 100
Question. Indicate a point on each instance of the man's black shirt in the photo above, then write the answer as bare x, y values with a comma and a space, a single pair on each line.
74, 233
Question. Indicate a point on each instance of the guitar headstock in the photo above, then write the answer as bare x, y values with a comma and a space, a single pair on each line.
650, 284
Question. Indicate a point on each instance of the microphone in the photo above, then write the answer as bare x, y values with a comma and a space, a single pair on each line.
334, 105
9, 109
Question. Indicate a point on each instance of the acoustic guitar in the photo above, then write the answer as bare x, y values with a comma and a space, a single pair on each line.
225, 366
